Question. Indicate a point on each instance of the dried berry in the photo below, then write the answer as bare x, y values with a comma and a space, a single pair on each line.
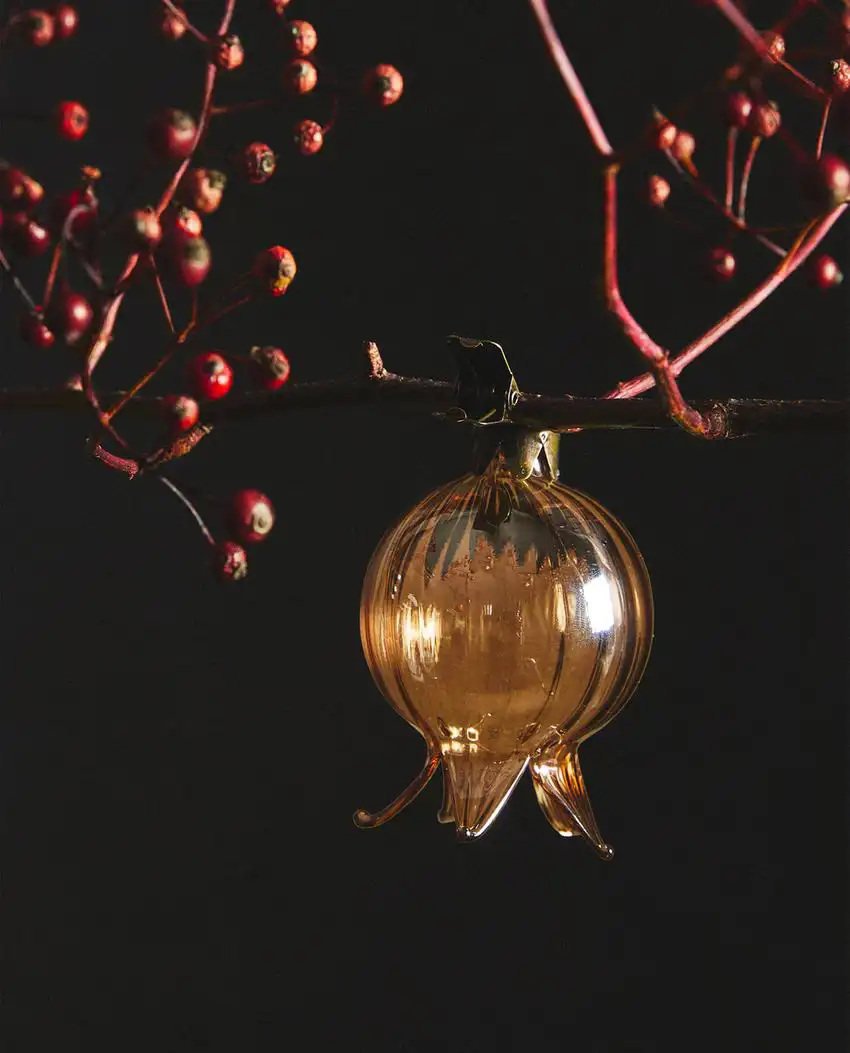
67, 20
69, 316
36, 28
210, 375
229, 561
720, 264
185, 260
228, 53
34, 331
383, 85
71, 120
140, 230
683, 147
309, 137
737, 109
180, 412
300, 77
169, 25
274, 269
271, 367
18, 190
825, 273
826, 182
25, 235
250, 516
301, 37
765, 120
171, 135
202, 188
258, 162
658, 190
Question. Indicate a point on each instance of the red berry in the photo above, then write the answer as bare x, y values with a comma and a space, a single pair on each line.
180, 412
664, 134
67, 19
826, 182
738, 107
185, 259
825, 273
82, 198
182, 221
36, 27
140, 230
775, 44
840, 73
171, 135
71, 120
683, 147
271, 367
309, 137
250, 516
69, 316
229, 561
258, 162
203, 188
25, 236
210, 375
35, 332
228, 53
170, 26
278, 7
658, 191
720, 264
765, 120
302, 37
274, 269
383, 85
17, 189
300, 77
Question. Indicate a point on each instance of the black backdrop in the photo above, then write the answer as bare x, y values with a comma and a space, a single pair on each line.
179, 763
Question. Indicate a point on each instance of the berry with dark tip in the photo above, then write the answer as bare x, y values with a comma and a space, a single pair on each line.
171, 135
210, 375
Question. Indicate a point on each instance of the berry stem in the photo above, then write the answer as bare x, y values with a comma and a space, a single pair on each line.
19, 286
570, 77
163, 299
241, 107
824, 120
746, 171
731, 143
51, 274
196, 515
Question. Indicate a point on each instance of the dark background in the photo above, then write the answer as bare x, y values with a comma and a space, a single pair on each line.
179, 762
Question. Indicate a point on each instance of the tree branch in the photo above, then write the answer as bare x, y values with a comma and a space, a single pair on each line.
731, 418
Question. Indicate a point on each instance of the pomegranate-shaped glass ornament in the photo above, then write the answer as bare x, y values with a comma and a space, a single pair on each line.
507, 618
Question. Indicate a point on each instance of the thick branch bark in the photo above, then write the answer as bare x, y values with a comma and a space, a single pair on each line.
733, 417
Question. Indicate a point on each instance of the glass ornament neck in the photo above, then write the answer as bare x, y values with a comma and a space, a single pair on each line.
518, 453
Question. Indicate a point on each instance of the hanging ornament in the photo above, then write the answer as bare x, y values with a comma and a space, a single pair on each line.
507, 618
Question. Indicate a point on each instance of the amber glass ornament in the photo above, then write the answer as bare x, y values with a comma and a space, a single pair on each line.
507, 618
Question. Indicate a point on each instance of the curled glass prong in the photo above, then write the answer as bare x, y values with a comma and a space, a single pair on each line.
368, 820
561, 793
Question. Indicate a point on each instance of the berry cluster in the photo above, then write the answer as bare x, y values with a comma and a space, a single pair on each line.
744, 105
164, 246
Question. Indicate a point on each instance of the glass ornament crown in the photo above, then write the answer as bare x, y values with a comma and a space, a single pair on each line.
507, 618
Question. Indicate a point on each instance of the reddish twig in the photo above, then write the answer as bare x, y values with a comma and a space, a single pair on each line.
746, 171
824, 120
19, 286
51, 274
570, 78
731, 143
163, 299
